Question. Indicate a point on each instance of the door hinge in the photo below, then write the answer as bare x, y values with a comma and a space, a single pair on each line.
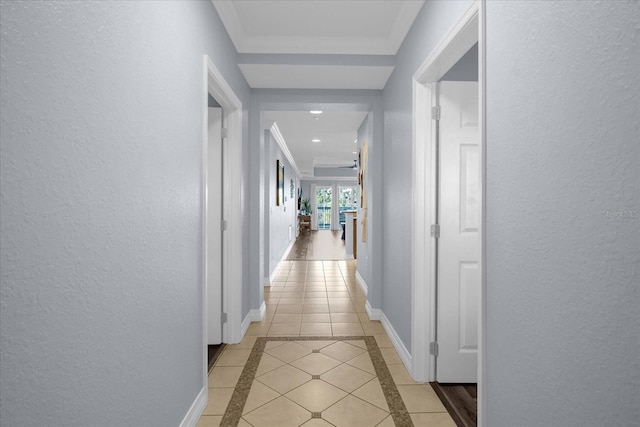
435, 112
435, 231
223, 225
223, 317
224, 132
433, 348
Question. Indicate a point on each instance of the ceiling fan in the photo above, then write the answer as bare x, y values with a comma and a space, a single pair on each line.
353, 166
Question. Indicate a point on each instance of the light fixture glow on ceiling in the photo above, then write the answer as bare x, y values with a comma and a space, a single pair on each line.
316, 111
315, 140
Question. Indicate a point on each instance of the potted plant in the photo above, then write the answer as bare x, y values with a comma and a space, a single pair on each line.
306, 206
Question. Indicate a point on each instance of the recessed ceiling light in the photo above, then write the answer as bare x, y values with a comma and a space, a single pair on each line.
355, 141
315, 140
354, 152
316, 111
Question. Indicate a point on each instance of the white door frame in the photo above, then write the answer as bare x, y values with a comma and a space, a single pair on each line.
216, 85
464, 34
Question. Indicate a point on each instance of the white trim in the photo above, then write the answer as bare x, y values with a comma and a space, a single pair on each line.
216, 85
255, 315
402, 351
462, 36
277, 135
458, 40
246, 322
197, 408
314, 206
269, 280
385, 45
373, 313
363, 285
482, 331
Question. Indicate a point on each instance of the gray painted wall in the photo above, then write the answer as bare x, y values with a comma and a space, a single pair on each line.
334, 171
431, 25
280, 217
100, 176
364, 262
563, 201
466, 69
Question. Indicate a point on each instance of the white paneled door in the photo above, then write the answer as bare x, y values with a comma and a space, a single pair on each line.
458, 245
213, 251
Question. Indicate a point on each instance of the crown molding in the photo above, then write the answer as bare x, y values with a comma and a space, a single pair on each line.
388, 45
277, 135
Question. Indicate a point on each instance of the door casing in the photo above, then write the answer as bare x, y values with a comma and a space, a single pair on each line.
462, 36
215, 84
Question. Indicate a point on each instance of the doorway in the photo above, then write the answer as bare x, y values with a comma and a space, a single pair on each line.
429, 311
214, 207
457, 277
347, 201
221, 208
324, 196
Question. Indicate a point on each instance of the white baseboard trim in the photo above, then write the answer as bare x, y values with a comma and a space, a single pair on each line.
269, 280
246, 322
286, 252
255, 315
258, 314
373, 313
404, 354
360, 281
197, 408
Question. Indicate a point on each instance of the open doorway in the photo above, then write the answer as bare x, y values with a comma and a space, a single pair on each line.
324, 201
347, 200
448, 218
221, 207
214, 183
457, 250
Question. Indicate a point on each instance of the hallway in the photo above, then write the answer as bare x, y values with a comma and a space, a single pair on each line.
340, 387
318, 245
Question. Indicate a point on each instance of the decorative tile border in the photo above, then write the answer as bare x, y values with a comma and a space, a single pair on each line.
397, 408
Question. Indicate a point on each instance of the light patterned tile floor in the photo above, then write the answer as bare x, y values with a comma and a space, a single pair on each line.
318, 383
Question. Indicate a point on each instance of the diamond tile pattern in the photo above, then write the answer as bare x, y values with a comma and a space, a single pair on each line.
347, 377
284, 378
316, 363
354, 412
316, 382
316, 396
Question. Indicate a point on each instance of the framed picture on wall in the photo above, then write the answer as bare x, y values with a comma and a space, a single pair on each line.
279, 183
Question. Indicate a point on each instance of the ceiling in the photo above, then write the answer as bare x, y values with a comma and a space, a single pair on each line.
336, 131
317, 44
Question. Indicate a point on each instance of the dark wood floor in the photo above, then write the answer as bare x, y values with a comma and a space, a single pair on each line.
461, 401
318, 245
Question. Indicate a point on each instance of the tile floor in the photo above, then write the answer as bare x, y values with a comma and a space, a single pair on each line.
298, 380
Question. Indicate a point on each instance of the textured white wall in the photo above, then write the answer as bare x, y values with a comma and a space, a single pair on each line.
563, 276
100, 183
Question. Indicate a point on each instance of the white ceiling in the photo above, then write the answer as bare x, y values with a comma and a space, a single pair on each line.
358, 27
317, 44
271, 76
335, 130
